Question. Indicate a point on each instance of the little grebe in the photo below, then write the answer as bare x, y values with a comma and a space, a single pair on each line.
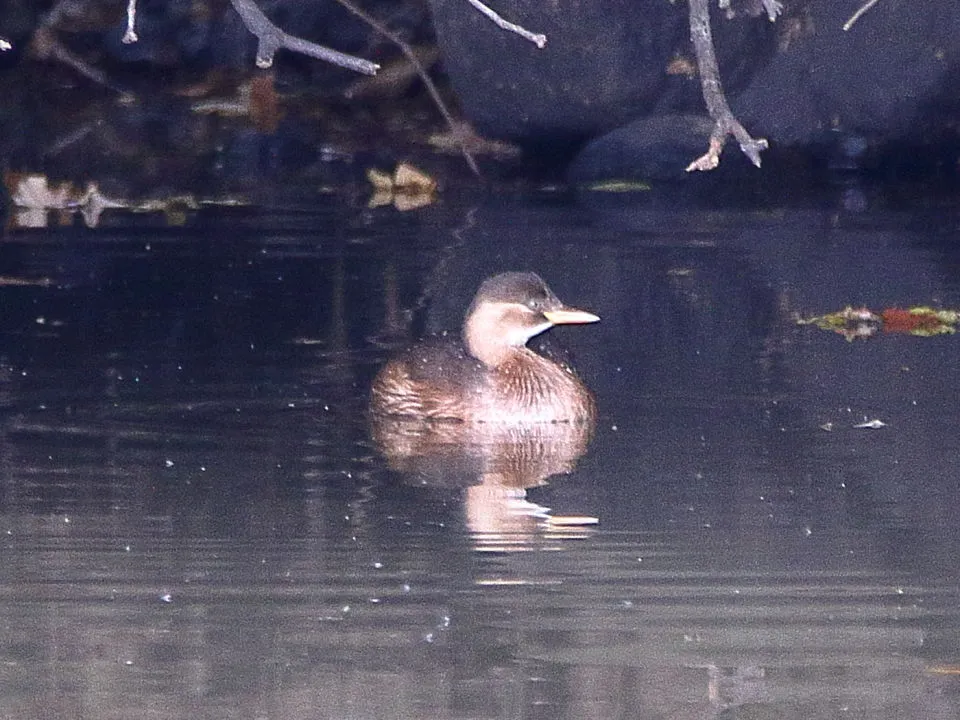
491, 376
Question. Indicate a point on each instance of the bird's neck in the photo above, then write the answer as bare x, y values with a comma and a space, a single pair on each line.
486, 339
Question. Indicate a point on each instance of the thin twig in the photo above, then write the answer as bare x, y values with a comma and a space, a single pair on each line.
428, 83
538, 39
856, 16
271, 38
130, 36
724, 121
46, 46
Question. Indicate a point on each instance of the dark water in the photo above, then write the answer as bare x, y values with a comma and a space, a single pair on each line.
196, 520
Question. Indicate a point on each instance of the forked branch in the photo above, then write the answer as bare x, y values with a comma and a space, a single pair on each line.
724, 121
273, 38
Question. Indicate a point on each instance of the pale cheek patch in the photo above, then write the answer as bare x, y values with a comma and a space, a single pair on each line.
520, 336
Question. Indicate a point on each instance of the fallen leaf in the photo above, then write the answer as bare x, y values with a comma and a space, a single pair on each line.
681, 65
412, 201
409, 178
380, 180
36, 192
265, 113
408, 188
922, 321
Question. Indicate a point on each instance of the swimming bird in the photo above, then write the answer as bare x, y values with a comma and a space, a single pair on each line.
489, 375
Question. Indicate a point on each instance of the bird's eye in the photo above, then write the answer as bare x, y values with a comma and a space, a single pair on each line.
537, 302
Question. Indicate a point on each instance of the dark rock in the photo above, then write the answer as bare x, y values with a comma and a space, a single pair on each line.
651, 148
801, 81
881, 78
606, 62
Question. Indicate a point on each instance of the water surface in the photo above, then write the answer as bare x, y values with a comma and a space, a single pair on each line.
196, 519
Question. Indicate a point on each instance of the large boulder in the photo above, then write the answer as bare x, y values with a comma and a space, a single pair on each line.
605, 63
802, 80
892, 75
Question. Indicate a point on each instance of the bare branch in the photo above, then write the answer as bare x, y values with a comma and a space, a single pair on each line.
538, 39
130, 36
773, 8
856, 16
46, 46
412, 58
273, 38
725, 122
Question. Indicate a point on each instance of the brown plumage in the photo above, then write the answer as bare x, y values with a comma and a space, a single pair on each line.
490, 375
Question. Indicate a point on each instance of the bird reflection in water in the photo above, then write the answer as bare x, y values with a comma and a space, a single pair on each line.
486, 412
495, 464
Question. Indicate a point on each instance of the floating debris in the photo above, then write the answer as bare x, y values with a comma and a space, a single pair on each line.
508, 582
861, 323
409, 188
922, 321
944, 669
35, 198
462, 136
871, 425
619, 186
